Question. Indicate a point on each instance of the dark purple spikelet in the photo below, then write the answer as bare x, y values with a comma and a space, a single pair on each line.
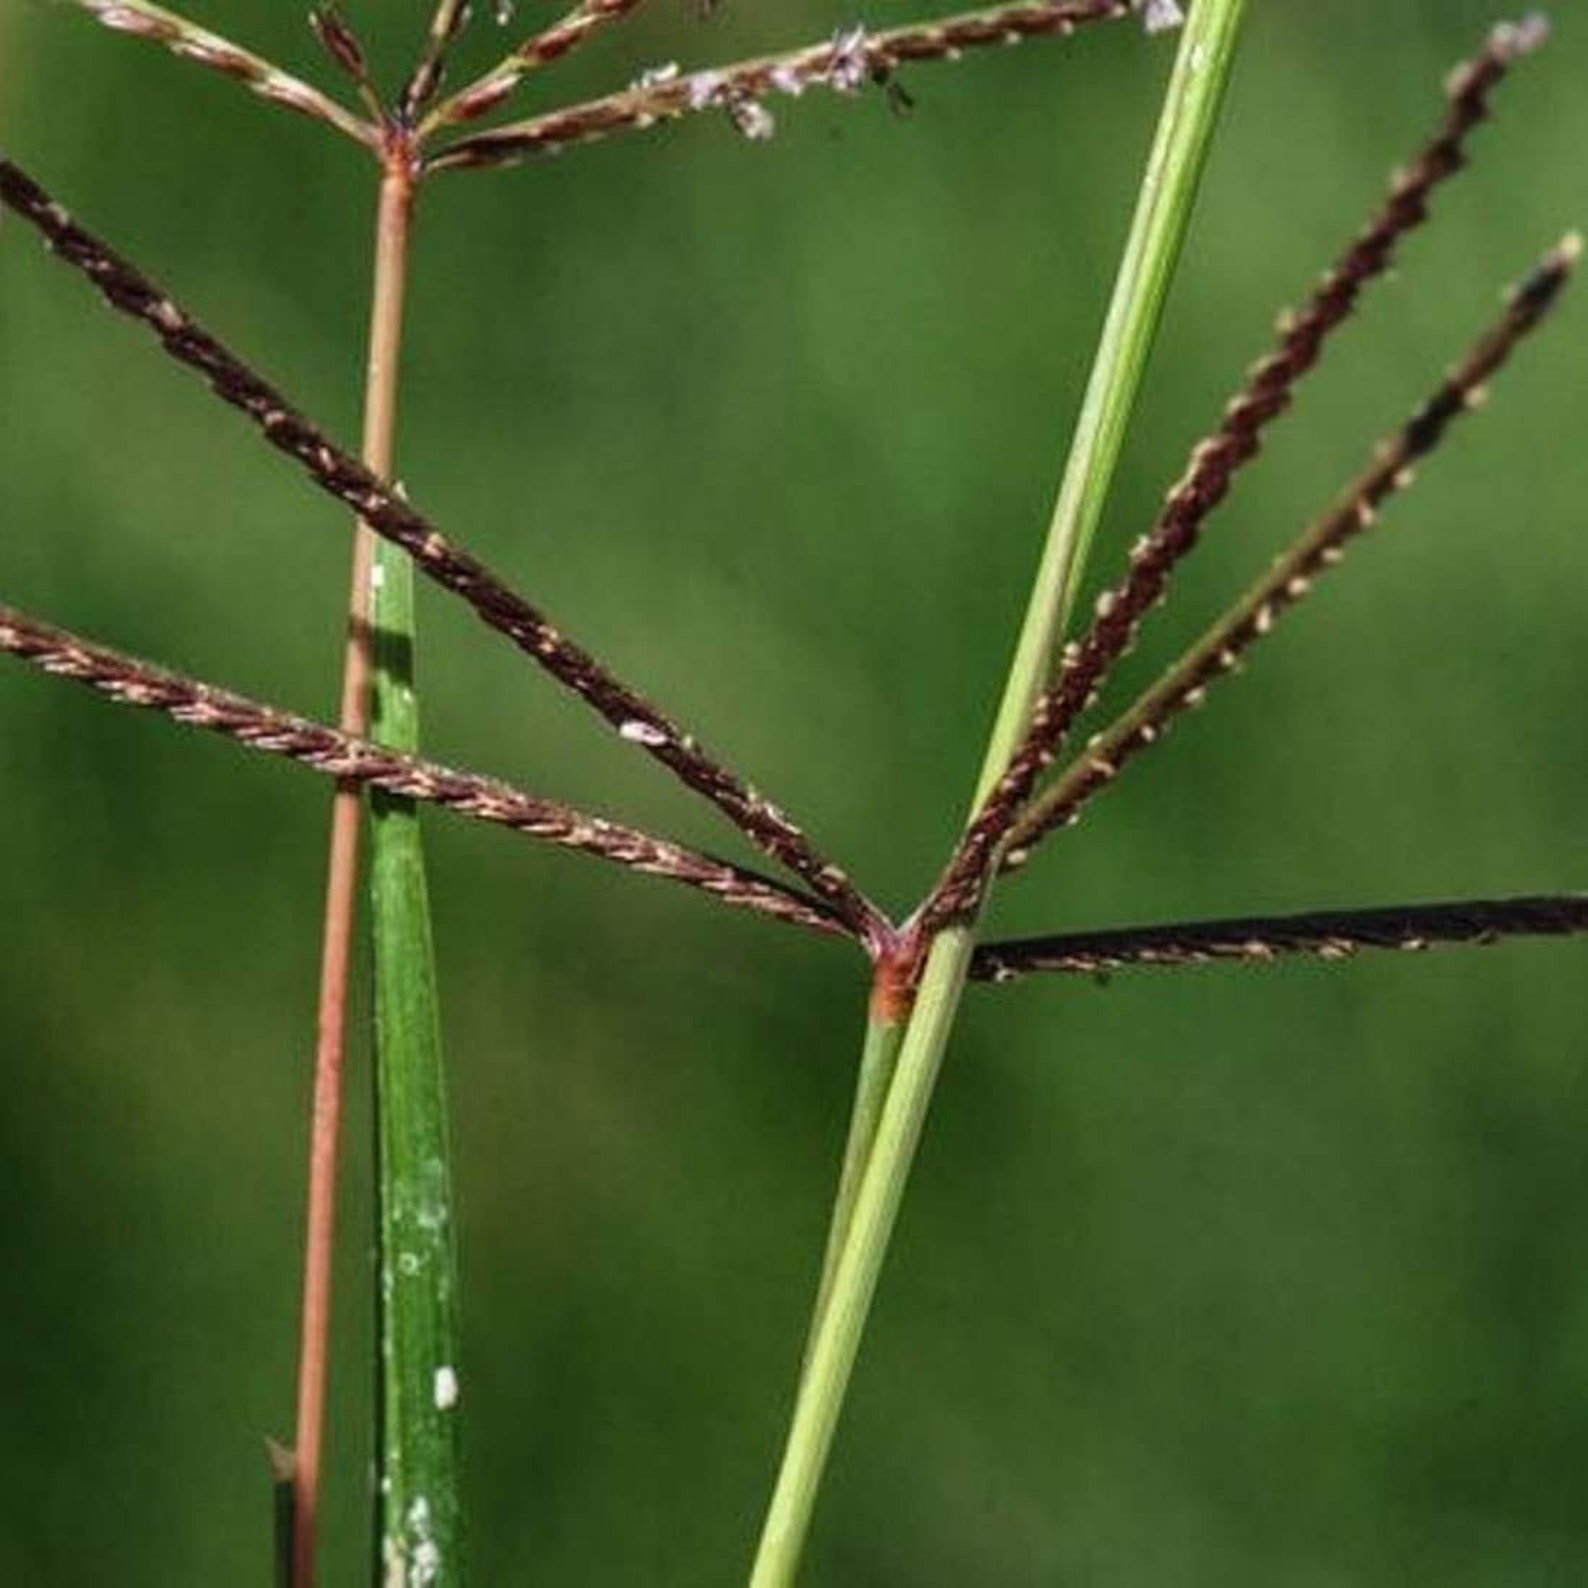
1260, 940
1218, 653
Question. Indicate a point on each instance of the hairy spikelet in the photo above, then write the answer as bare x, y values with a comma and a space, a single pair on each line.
847, 61
259, 76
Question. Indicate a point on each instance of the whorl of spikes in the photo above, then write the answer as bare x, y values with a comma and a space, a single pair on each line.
1218, 652
259, 76
1262, 939
138, 683
637, 720
847, 62
1266, 394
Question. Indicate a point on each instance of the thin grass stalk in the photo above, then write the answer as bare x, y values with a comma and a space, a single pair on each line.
638, 720
845, 62
1190, 111
1316, 552
393, 224
879, 1055
887, 1015
259, 76
1332, 936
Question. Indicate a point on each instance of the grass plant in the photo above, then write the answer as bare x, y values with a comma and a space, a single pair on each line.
917, 966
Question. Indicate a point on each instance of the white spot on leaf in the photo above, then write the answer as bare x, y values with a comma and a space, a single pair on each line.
446, 1388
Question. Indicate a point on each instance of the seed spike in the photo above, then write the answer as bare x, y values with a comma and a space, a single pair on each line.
132, 682
843, 62
1333, 935
193, 43
1295, 572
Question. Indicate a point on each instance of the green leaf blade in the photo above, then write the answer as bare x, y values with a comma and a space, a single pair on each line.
419, 1505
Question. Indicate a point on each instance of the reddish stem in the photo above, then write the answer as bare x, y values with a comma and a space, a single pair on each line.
392, 232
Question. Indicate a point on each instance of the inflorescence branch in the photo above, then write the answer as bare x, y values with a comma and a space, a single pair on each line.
1084, 664
258, 75
133, 682
847, 62
637, 720
1261, 939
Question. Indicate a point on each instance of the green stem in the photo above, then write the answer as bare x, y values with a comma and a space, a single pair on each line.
1163, 209
884, 1035
1163, 212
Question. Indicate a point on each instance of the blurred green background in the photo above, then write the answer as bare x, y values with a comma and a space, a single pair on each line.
1221, 1278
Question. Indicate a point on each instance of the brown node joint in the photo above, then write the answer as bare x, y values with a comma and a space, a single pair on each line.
897, 959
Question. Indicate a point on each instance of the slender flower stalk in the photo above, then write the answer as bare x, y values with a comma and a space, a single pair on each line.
846, 62
133, 682
1218, 653
1330, 935
879, 1056
1191, 106
1085, 664
259, 76
393, 224
887, 1018
637, 720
